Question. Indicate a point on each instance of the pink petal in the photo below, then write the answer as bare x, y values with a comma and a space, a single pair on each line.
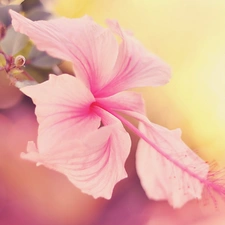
125, 100
62, 109
122, 101
94, 164
91, 48
135, 66
173, 172
166, 181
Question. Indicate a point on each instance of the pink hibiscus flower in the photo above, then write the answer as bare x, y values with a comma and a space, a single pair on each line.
81, 121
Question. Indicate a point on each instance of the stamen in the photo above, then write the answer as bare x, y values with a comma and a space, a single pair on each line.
208, 182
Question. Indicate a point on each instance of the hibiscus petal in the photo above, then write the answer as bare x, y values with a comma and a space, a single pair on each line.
125, 100
135, 66
62, 109
94, 164
176, 173
166, 181
91, 48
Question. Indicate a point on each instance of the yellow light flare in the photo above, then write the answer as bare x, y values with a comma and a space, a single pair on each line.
190, 36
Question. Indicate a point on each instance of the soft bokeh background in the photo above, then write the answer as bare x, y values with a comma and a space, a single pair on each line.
190, 36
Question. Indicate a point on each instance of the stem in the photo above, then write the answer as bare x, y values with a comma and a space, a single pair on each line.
153, 145
2, 53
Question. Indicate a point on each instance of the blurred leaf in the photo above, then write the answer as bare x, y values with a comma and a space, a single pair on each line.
30, 4
2, 60
39, 74
13, 42
41, 59
4, 13
38, 13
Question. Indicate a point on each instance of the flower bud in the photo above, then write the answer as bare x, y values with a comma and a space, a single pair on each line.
19, 61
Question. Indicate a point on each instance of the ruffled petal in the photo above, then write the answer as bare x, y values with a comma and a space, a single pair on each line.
135, 66
63, 110
94, 164
91, 48
171, 170
103, 66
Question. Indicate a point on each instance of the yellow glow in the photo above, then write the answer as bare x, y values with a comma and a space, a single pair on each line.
190, 36
12, 2
71, 8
